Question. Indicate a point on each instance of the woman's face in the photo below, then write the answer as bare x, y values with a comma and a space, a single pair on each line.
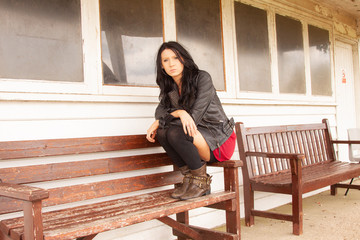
171, 64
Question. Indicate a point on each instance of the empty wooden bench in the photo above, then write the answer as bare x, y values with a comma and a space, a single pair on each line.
293, 159
86, 219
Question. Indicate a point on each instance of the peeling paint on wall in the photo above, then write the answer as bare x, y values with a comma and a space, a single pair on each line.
324, 11
345, 29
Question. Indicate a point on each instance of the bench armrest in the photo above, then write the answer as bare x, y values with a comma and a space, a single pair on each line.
346, 141
227, 164
22, 192
298, 156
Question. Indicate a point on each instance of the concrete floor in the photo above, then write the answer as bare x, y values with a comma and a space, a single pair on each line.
326, 217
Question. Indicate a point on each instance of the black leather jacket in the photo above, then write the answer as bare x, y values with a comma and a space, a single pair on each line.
207, 112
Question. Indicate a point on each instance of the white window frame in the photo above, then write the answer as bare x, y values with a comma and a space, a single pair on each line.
93, 89
91, 62
305, 19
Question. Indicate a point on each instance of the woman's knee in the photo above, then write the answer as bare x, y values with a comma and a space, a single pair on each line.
161, 135
176, 134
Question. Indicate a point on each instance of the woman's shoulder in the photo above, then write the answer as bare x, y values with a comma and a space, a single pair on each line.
203, 76
204, 81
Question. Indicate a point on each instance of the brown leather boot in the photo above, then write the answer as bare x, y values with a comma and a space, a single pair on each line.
181, 188
199, 185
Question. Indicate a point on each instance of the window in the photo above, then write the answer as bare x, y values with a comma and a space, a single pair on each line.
291, 59
320, 65
131, 34
41, 40
252, 48
199, 30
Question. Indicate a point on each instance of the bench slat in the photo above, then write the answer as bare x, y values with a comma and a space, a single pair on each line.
57, 171
87, 191
283, 128
53, 216
56, 147
310, 143
142, 215
320, 174
81, 221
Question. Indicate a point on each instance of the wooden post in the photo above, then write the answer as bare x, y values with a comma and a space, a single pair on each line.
297, 209
231, 182
33, 228
182, 217
248, 193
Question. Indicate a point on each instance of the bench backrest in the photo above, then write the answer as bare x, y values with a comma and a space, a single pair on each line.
312, 140
90, 166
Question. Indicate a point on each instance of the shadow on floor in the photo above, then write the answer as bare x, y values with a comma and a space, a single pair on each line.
326, 217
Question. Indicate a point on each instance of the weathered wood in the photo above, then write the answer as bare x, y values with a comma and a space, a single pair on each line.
33, 227
57, 171
4, 237
211, 234
90, 237
63, 227
184, 229
55, 147
290, 159
22, 192
118, 205
84, 222
273, 215
68, 194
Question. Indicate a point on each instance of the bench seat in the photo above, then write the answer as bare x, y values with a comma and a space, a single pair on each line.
111, 214
314, 177
87, 178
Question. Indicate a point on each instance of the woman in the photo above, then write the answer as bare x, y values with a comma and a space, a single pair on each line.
190, 124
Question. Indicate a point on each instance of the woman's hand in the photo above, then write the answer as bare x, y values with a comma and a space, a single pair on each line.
187, 121
151, 132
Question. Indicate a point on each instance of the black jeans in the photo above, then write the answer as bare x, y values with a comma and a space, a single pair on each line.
180, 148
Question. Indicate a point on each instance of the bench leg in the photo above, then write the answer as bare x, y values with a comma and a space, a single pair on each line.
333, 190
297, 206
33, 228
297, 211
248, 205
231, 183
182, 217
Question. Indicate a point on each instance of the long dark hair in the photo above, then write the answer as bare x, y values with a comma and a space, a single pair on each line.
166, 83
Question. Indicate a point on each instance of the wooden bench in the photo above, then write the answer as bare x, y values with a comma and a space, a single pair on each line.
293, 159
85, 220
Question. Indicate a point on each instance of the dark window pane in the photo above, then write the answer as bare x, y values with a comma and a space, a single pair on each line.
320, 61
252, 48
290, 55
198, 26
131, 34
41, 40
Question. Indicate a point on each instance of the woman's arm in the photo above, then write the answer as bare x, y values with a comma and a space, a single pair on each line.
205, 93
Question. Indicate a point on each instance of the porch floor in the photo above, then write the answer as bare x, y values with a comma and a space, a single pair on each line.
325, 217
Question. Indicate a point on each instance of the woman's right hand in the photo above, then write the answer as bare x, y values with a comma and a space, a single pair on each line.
187, 121
151, 132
